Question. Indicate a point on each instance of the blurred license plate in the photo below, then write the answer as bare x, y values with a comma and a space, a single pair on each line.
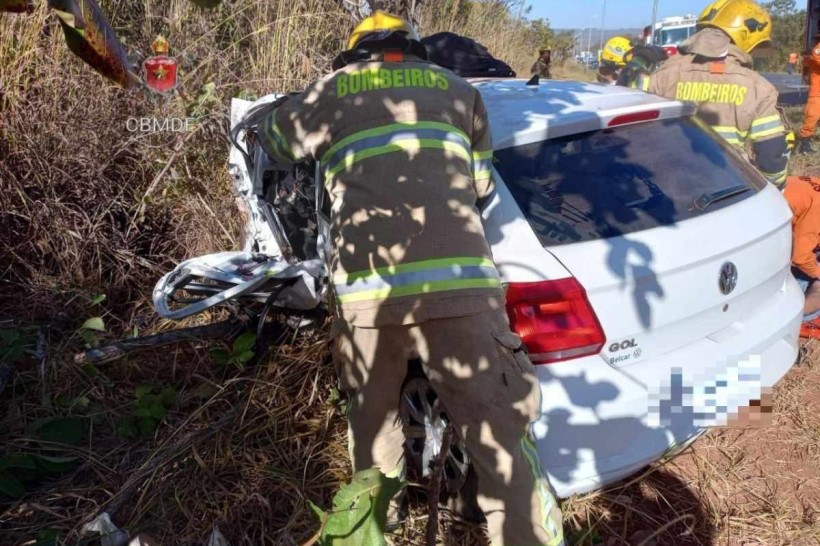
727, 394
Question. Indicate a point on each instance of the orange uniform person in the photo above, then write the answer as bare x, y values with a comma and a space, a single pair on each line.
803, 196
792, 63
812, 113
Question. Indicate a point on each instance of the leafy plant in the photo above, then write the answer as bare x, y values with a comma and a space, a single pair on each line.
240, 353
62, 430
89, 330
48, 537
359, 511
586, 536
151, 408
14, 343
204, 102
94, 373
19, 470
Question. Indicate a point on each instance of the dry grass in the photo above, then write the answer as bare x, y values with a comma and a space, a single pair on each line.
88, 208
802, 165
574, 71
245, 449
491, 25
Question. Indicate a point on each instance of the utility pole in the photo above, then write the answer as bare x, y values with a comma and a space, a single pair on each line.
589, 41
654, 21
603, 23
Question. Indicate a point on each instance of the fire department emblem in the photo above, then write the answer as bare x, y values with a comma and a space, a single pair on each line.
160, 71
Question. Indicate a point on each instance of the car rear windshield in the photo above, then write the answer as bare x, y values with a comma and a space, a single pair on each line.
613, 182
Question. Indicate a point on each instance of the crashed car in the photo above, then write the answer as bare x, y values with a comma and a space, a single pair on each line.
646, 265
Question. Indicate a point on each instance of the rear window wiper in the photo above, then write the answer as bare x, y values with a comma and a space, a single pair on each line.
708, 199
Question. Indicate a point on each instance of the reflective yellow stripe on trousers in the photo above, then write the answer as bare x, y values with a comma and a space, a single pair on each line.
445, 274
547, 500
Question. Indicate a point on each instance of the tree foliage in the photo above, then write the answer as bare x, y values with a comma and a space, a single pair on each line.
788, 33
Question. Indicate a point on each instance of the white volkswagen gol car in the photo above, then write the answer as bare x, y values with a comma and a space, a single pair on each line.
646, 265
648, 271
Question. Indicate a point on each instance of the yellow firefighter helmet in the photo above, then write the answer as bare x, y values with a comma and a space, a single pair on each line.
746, 23
381, 21
615, 50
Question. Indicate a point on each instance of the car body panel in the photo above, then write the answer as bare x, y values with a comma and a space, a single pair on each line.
520, 114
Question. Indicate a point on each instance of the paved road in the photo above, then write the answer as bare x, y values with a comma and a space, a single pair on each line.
792, 91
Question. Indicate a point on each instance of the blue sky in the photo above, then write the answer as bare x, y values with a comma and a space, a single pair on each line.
619, 13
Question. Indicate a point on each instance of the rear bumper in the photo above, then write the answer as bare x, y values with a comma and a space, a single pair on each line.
594, 427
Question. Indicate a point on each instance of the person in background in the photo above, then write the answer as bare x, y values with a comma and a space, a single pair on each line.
803, 196
811, 65
792, 63
541, 67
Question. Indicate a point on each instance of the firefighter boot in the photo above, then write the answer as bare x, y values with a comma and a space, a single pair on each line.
805, 147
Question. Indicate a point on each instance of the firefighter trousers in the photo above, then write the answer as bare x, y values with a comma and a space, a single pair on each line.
812, 116
488, 388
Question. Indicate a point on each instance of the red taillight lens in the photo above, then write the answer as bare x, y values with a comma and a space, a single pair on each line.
555, 320
636, 117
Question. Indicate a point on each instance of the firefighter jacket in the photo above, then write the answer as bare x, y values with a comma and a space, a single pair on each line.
405, 151
735, 100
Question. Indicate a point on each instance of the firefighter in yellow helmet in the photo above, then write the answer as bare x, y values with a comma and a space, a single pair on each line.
613, 59
714, 70
404, 147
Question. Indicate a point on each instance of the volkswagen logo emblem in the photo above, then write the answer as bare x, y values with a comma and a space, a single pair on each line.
728, 278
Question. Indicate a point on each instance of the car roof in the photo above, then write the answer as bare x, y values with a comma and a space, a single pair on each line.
521, 114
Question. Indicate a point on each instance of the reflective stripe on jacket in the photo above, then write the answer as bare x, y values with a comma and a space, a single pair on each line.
405, 152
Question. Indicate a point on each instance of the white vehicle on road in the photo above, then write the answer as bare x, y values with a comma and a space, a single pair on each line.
671, 32
646, 266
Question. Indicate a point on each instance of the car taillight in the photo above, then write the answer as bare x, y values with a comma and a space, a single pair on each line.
635, 117
555, 320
